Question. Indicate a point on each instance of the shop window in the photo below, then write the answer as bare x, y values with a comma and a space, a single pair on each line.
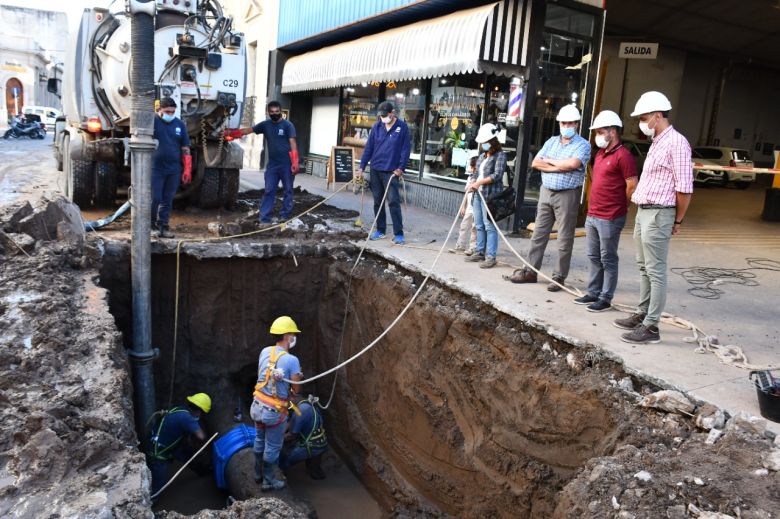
455, 114
409, 99
358, 115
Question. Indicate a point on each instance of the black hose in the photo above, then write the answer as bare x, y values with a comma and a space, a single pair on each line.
142, 72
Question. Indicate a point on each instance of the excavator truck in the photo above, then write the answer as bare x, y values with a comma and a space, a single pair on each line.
199, 61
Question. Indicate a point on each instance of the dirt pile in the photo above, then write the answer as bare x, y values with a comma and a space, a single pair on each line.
67, 442
257, 508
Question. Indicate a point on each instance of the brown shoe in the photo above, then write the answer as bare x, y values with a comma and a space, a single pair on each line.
642, 335
522, 276
489, 263
553, 287
630, 322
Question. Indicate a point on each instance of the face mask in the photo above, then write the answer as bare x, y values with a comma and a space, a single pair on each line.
168, 117
601, 141
293, 340
486, 146
275, 117
387, 119
644, 127
568, 132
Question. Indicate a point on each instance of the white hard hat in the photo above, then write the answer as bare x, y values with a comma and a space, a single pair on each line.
486, 132
568, 113
606, 118
651, 102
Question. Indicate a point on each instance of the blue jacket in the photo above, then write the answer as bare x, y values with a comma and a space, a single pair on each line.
387, 150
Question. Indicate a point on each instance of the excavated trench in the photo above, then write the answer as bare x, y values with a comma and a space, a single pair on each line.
458, 411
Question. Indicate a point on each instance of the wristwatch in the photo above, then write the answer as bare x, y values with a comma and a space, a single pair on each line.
678, 223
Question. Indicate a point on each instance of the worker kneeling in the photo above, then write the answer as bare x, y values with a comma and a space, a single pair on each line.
305, 438
176, 433
272, 399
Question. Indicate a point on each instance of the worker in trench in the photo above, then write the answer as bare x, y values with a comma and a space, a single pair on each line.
176, 433
271, 404
305, 438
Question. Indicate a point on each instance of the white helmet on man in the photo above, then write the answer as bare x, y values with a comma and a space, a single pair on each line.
651, 102
567, 114
605, 119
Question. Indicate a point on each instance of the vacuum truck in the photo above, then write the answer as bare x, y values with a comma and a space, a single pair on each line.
199, 61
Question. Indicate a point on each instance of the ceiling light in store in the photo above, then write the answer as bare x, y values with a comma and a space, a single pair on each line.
481, 85
538, 92
574, 97
495, 88
443, 81
415, 91
399, 95
364, 84
542, 48
546, 101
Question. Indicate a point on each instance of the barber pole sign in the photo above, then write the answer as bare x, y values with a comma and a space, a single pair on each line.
515, 103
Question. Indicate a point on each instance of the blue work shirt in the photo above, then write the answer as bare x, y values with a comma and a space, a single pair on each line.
305, 423
277, 137
387, 150
174, 426
578, 148
171, 138
288, 363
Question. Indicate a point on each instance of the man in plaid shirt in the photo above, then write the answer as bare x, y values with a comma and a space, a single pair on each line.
662, 196
562, 162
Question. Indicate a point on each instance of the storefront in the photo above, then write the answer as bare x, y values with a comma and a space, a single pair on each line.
513, 63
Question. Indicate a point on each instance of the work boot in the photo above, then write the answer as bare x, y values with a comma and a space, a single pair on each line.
489, 263
629, 323
554, 287
165, 232
269, 478
522, 276
314, 467
477, 257
258, 469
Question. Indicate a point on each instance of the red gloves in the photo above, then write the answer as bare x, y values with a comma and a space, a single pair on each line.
186, 176
294, 160
233, 134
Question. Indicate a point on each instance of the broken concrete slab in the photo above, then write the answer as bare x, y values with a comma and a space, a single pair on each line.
670, 401
17, 215
16, 243
43, 224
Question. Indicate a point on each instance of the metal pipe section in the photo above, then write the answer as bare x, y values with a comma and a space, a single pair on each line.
141, 149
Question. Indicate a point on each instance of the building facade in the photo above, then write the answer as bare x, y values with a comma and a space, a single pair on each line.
449, 67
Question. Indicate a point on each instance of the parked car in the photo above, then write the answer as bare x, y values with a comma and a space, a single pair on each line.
639, 150
723, 156
47, 114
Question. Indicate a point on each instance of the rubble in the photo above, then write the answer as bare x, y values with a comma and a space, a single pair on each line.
670, 401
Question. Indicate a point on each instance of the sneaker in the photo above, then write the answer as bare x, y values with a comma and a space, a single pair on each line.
642, 335
489, 263
376, 235
599, 306
522, 276
553, 287
585, 300
470, 252
629, 323
398, 239
456, 250
475, 258
165, 232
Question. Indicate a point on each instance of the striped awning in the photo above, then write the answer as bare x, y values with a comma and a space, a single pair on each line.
492, 38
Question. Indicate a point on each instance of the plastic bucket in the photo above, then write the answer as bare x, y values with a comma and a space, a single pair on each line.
769, 405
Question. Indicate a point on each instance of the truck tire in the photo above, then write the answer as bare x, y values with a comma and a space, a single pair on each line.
58, 160
228, 187
79, 178
105, 184
208, 196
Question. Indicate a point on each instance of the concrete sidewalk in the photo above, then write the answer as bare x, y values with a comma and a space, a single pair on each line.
746, 316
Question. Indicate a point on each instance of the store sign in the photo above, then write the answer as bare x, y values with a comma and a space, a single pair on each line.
635, 50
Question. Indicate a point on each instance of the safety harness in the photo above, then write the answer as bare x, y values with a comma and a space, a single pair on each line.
281, 405
164, 452
316, 438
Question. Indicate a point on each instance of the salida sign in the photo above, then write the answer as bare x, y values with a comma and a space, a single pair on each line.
636, 50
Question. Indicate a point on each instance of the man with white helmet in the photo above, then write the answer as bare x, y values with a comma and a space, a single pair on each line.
662, 196
562, 162
614, 180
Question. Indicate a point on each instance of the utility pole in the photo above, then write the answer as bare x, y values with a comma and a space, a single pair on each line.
141, 148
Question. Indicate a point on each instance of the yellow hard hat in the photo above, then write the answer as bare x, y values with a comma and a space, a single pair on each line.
201, 400
284, 324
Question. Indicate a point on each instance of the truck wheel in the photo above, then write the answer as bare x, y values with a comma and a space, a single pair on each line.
105, 184
58, 158
79, 178
228, 187
208, 194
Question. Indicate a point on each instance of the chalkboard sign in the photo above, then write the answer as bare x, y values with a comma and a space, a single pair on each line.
341, 166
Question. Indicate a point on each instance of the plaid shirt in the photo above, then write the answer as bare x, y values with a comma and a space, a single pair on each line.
494, 168
668, 170
555, 149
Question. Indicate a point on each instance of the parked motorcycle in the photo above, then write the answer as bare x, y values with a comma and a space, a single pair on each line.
32, 129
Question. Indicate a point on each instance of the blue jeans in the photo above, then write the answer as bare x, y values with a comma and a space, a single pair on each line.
603, 238
164, 186
298, 454
378, 184
486, 231
274, 173
270, 438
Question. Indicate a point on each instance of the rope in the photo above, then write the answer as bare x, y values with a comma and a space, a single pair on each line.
219, 238
705, 279
154, 496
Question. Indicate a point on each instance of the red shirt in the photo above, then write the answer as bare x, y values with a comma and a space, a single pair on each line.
611, 168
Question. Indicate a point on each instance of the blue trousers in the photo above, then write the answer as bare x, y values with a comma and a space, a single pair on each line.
274, 173
378, 183
164, 186
297, 455
487, 235
603, 238
159, 468
269, 436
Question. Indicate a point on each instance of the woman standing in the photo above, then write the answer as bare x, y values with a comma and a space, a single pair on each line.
488, 179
